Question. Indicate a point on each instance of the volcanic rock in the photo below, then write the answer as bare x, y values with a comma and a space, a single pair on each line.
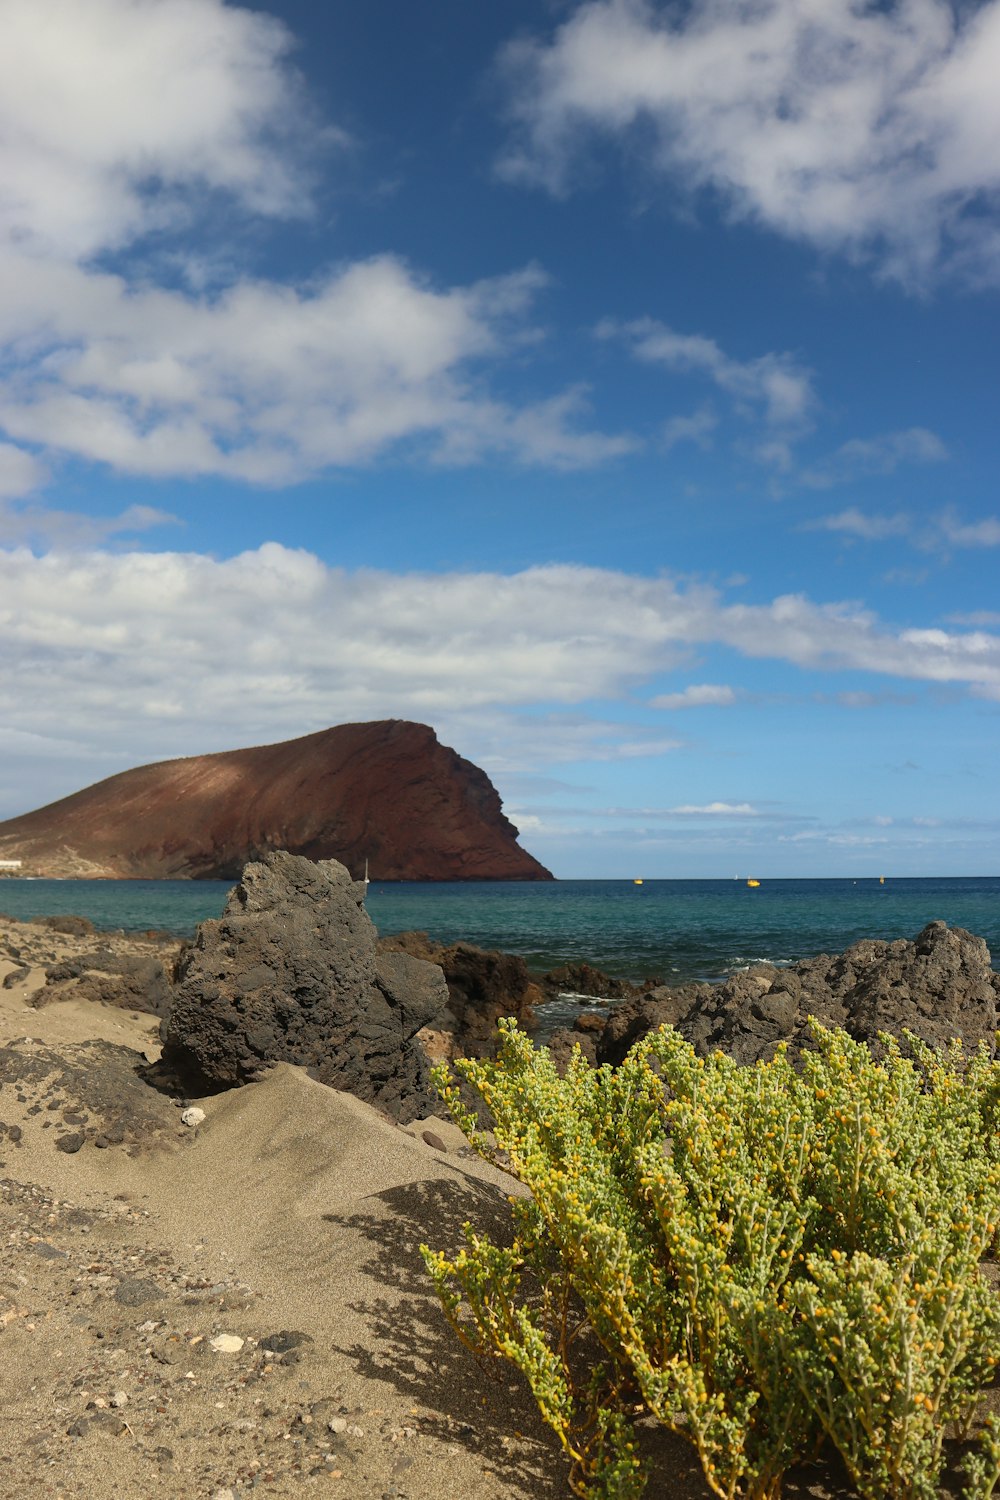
483, 985
387, 793
940, 987
128, 980
291, 972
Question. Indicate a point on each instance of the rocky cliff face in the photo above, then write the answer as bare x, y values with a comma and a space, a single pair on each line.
386, 792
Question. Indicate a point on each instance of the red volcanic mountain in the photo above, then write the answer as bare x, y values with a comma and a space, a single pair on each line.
386, 792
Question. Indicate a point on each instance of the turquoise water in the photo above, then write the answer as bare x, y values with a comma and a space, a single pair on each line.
673, 929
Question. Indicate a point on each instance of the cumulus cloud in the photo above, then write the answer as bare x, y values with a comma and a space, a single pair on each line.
121, 119
146, 654
271, 383
114, 113
869, 130
774, 385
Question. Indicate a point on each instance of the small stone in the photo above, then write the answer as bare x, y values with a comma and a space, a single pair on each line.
71, 1143
432, 1139
224, 1495
284, 1341
132, 1293
337, 1424
226, 1343
192, 1116
120, 1398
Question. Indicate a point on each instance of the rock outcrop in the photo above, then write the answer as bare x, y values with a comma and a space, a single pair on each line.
483, 985
291, 972
386, 792
940, 986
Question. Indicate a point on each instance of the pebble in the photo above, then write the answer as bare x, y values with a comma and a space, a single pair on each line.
192, 1116
226, 1343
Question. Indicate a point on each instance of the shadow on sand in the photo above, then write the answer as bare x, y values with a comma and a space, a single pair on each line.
489, 1410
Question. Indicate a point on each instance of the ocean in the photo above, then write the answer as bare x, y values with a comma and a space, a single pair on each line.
674, 930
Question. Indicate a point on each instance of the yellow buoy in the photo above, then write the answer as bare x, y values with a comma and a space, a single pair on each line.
753, 883
637, 882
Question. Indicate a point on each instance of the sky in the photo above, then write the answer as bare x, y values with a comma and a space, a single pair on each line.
611, 385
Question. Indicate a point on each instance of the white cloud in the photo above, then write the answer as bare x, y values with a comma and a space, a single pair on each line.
114, 112
716, 810
20, 472
270, 383
854, 522
773, 384
881, 454
985, 533
125, 118
695, 428
987, 617
868, 130
698, 695
45, 526
143, 655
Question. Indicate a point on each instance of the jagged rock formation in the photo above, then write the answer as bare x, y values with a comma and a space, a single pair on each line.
940, 986
386, 792
291, 972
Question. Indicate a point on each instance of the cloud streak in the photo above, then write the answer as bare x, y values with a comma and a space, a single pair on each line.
775, 386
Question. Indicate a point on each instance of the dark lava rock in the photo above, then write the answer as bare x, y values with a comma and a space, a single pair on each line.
15, 977
71, 926
283, 1341
291, 973
483, 985
127, 980
70, 1143
96, 1081
940, 987
584, 979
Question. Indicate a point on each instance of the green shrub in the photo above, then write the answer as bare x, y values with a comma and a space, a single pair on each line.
760, 1258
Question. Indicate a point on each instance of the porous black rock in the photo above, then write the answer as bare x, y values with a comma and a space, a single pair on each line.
291, 973
939, 987
483, 985
128, 980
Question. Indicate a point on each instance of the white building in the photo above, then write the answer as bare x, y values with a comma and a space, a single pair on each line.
10, 864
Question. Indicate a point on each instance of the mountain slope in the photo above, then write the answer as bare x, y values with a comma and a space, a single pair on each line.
387, 792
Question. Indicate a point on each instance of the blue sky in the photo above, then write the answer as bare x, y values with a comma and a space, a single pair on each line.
613, 386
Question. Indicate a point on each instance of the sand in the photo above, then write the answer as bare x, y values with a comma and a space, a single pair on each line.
292, 1209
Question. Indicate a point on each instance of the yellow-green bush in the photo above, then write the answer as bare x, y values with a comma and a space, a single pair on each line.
761, 1258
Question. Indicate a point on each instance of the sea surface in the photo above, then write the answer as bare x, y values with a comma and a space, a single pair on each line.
674, 930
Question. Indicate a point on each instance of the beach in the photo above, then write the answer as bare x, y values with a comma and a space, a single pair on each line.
206, 1297
293, 1214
